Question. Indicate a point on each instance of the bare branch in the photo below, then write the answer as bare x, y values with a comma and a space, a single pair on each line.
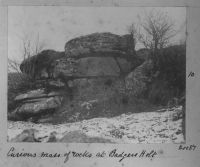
132, 29
29, 48
13, 65
158, 30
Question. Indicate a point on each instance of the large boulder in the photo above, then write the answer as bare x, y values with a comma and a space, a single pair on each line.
102, 54
40, 65
99, 43
97, 54
92, 67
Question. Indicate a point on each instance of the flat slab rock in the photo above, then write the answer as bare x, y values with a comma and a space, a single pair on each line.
151, 127
31, 94
36, 102
40, 106
36, 94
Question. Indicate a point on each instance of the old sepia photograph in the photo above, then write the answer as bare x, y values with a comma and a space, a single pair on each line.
96, 74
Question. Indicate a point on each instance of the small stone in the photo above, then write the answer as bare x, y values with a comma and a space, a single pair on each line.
131, 136
122, 127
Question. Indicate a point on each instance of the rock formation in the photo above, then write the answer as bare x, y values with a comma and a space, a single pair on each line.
87, 77
99, 90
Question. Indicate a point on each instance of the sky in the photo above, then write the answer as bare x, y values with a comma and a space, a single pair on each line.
55, 25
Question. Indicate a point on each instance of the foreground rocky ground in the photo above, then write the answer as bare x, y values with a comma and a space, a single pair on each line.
162, 126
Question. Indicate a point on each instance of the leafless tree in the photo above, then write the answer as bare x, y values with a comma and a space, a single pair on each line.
13, 66
156, 30
132, 30
29, 48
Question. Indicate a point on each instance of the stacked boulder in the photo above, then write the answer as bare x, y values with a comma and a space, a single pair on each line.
37, 103
91, 70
